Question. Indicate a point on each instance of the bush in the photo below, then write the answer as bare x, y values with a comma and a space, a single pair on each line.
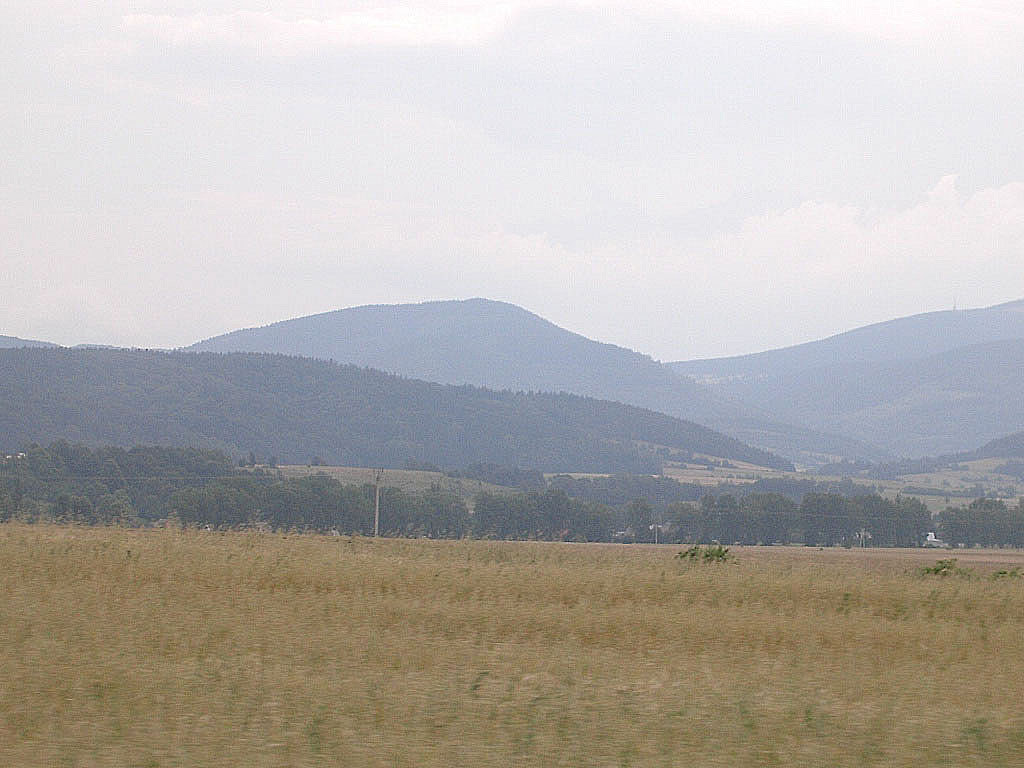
714, 553
946, 568
1012, 573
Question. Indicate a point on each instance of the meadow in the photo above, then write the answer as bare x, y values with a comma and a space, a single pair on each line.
180, 647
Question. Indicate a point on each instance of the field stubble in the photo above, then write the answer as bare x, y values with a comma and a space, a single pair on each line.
178, 648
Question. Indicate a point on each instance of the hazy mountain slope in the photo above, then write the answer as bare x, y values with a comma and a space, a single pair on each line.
941, 404
296, 408
1002, 447
13, 342
905, 338
478, 341
499, 345
930, 384
801, 444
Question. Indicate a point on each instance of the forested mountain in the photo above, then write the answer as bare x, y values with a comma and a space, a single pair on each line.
481, 342
915, 386
296, 409
933, 384
499, 345
13, 342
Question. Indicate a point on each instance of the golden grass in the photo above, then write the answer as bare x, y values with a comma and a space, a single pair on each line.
171, 648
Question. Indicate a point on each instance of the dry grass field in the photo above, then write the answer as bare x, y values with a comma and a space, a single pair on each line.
186, 648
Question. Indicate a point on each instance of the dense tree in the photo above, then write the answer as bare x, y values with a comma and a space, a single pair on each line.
550, 515
821, 519
984, 522
75, 484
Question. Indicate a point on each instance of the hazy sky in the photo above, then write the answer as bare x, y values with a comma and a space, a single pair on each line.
684, 178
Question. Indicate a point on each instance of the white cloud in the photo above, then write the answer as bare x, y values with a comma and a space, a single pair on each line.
266, 33
780, 278
688, 178
920, 22
821, 268
282, 33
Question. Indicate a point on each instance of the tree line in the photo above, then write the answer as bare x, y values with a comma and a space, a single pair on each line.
144, 486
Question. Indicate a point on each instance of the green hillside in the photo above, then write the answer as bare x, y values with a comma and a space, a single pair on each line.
297, 409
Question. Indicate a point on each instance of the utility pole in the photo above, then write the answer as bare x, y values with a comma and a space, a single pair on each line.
378, 475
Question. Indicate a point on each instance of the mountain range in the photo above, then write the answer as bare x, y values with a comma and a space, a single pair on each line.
502, 346
929, 384
924, 385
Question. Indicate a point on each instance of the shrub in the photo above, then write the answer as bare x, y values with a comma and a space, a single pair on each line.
1012, 573
715, 553
946, 568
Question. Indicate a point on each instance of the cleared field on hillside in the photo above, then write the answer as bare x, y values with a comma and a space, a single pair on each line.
949, 481
978, 472
171, 648
947, 487
408, 480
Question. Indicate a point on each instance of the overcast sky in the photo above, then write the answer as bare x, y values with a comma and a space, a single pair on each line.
688, 179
